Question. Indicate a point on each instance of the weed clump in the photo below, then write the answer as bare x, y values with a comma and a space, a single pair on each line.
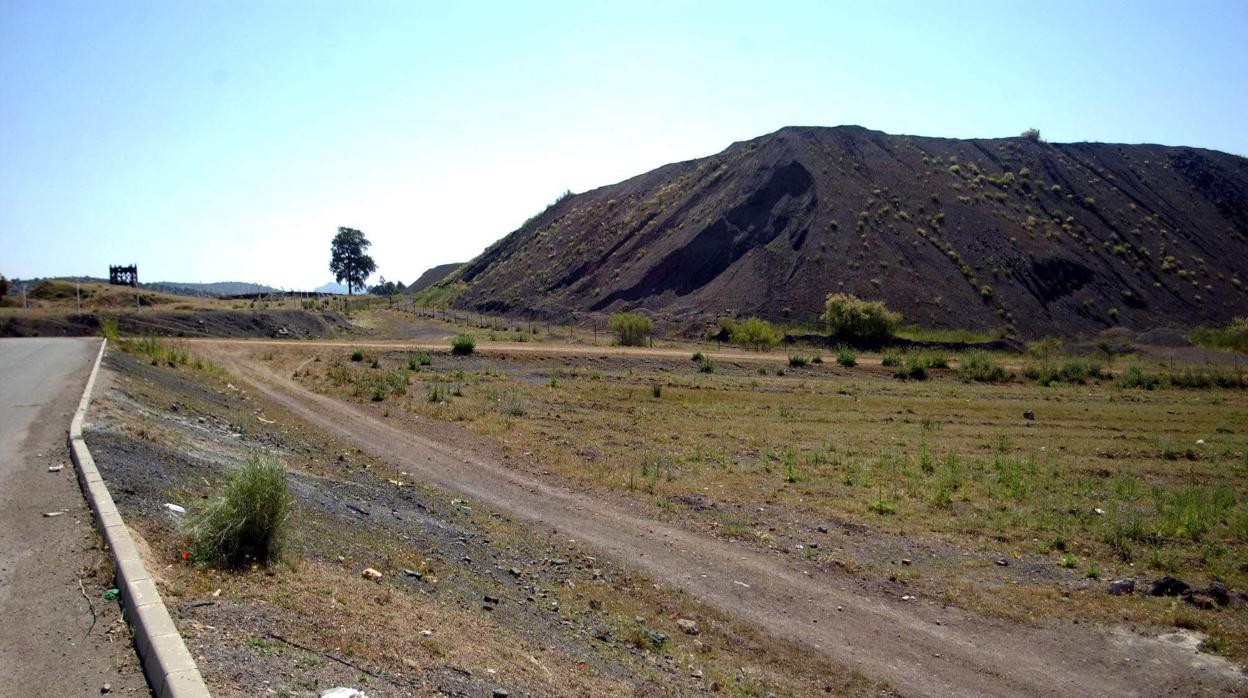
463, 345
357, 355
420, 358
980, 368
846, 358
247, 520
798, 361
913, 368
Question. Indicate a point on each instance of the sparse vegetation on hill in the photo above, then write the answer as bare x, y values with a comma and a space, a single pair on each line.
1008, 235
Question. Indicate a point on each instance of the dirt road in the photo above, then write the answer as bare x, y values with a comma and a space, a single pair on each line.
918, 646
58, 638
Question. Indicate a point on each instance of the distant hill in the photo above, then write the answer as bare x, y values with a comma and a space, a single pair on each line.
1038, 238
219, 288
432, 276
331, 287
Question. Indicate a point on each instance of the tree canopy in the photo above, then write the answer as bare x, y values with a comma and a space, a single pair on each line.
348, 260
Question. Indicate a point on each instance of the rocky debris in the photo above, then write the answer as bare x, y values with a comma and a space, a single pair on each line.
489, 602
1200, 600
413, 573
1122, 587
687, 626
1003, 562
1169, 586
371, 574
500, 693
601, 632
821, 528
1029, 415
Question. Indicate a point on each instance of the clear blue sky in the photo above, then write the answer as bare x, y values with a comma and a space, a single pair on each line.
228, 140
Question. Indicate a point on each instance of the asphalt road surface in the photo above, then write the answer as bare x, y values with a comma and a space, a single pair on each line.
58, 636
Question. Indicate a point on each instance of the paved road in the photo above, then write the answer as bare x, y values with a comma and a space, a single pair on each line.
53, 641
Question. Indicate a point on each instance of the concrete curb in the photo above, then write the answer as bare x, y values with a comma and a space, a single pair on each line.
170, 669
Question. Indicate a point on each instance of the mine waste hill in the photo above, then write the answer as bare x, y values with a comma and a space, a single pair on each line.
432, 276
1009, 234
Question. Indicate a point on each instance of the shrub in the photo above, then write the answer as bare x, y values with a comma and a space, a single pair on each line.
656, 390
705, 365
891, 357
816, 359
1234, 336
1031, 134
979, 367
755, 333
698, 357
463, 345
631, 329
420, 358
850, 317
913, 368
1134, 377
357, 355
247, 520
846, 358
1072, 371
797, 361
108, 328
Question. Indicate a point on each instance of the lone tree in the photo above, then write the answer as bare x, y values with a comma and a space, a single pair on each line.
347, 258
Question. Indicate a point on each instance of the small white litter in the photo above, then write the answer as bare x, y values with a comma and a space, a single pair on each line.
174, 508
55, 468
342, 692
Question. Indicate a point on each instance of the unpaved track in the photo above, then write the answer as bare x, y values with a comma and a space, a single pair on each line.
918, 647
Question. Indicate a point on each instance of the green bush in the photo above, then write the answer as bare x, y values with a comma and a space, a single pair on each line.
913, 368
892, 357
756, 333
705, 365
631, 329
247, 520
357, 355
850, 317
1134, 377
797, 361
846, 358
1072, 371
463, 345
420, 358
981, 368
1234, 336
698, 357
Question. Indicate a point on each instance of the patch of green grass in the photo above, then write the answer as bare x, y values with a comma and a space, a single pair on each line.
979, 367
798, 361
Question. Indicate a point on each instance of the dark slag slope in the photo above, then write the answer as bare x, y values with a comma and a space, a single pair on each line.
994, 233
